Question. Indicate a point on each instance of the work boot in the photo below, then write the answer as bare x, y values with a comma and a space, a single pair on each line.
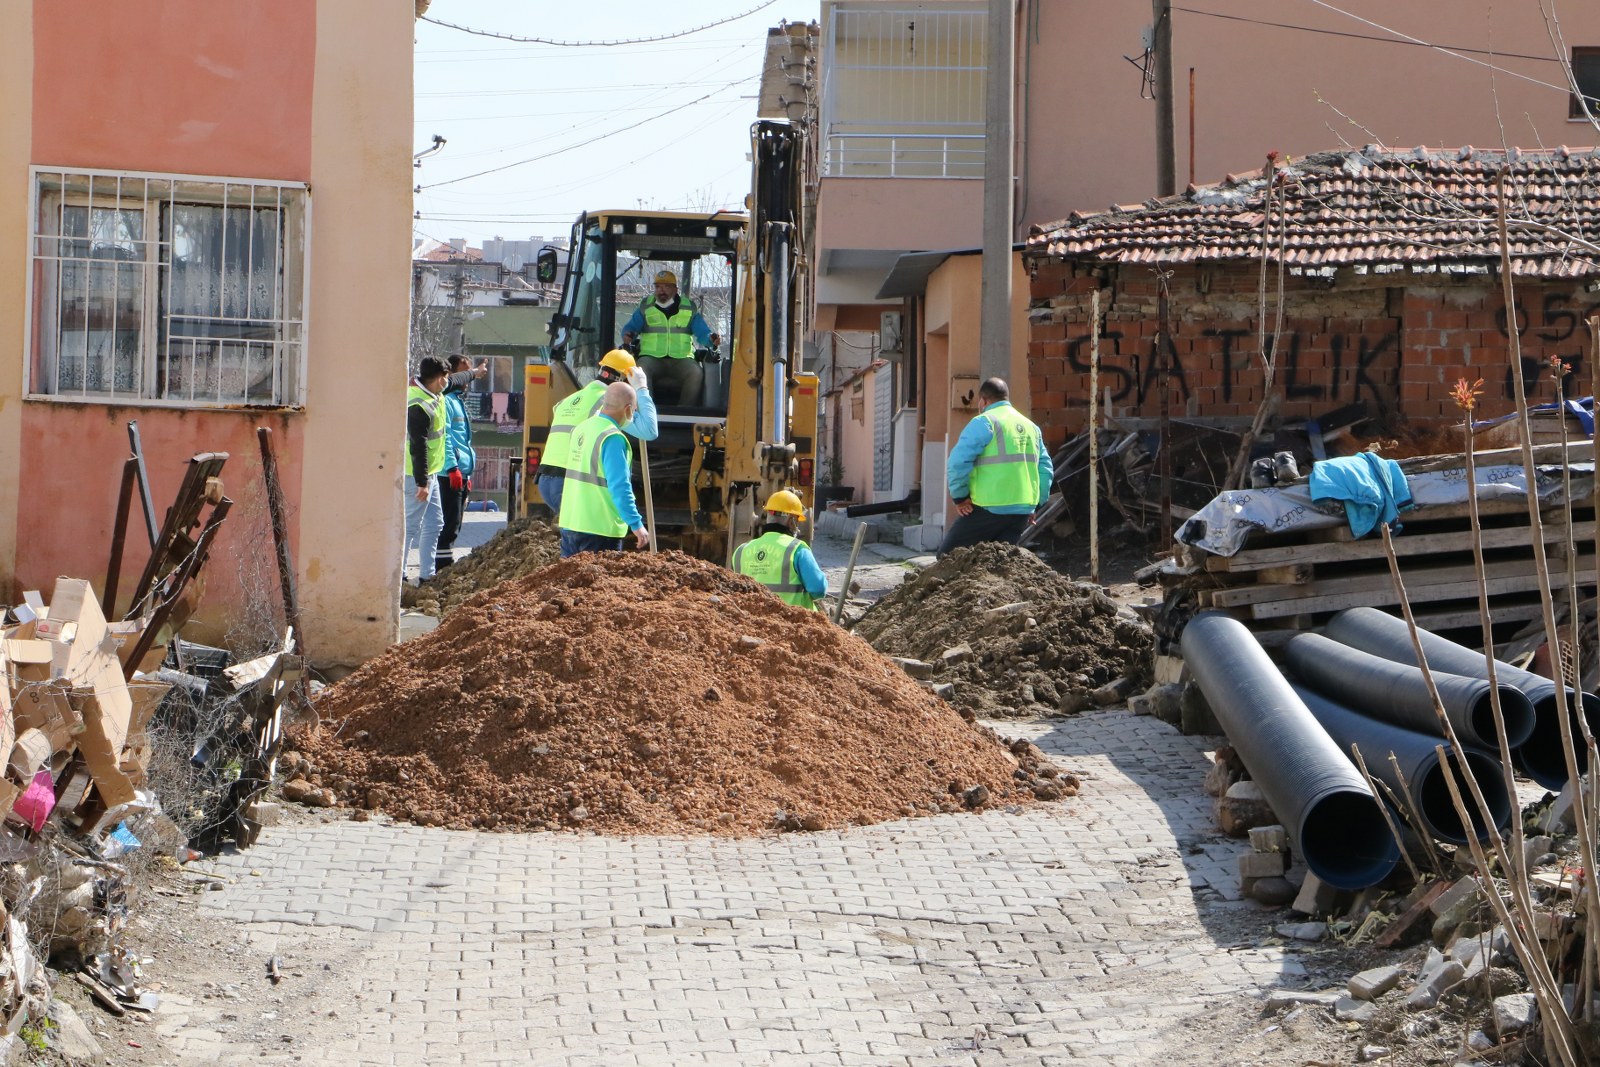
441, 562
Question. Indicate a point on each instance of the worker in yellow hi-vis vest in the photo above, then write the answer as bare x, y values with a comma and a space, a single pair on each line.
667, 327
998, 472
778, 559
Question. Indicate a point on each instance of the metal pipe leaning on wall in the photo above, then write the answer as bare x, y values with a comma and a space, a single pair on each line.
1313, 787
1424, 773
1540, 756
1397, 693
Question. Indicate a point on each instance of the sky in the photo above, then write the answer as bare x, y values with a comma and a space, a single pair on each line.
567, 111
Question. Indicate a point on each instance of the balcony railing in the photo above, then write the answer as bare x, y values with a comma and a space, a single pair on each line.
903, 155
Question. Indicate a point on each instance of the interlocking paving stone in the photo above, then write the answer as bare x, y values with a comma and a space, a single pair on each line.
1077, 932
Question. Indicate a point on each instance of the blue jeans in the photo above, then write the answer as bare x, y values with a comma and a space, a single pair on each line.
573, 542
981, 525
550, 486
424, 520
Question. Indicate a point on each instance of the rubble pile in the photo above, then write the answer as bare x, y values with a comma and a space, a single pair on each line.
651, 694
524, 546
1012, 636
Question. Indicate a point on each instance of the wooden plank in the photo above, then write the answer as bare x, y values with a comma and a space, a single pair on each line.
1448, 619
1258, 559
1377, 598
1415, 577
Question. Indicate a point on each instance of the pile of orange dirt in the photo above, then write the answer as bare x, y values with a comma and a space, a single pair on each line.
521, 548
641, 693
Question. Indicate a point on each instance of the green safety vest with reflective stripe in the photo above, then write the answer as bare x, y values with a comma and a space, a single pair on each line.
586, 504
769, 559
667, 337
565, 418
434, 405
1007, 470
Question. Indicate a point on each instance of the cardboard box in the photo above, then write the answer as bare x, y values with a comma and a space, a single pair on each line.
47, 707
29, 755
104, 735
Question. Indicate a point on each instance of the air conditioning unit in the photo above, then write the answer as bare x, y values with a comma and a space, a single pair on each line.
890, 346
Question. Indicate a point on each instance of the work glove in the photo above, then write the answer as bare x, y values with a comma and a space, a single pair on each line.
469, 483
456, 481
716, 342
637, 379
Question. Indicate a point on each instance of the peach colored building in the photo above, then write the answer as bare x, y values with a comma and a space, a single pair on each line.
204, 227
901, 142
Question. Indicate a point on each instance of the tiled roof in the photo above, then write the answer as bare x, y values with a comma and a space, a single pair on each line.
1374, 208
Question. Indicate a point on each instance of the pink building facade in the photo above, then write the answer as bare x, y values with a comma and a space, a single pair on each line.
204, 227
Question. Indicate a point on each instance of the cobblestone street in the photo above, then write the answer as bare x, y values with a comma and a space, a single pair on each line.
1086, 932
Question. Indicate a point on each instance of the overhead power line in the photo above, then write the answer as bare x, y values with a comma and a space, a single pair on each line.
1410, 42
599, 44
591, 140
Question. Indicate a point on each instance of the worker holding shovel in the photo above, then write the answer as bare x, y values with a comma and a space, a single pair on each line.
597, 503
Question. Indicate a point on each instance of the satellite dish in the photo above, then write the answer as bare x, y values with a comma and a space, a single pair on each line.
513, 263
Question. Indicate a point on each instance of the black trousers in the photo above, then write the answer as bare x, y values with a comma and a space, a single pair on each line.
454, 502
978, 526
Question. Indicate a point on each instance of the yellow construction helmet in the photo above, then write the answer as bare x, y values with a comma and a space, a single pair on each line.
666, 276
787, 502
619, 360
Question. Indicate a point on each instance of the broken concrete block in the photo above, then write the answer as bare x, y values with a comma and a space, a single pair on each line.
1261, 865
1273, 892
1548, 926
1313, 931
1316, 897
1374, 983
1219, 777
1534, 848
1558, 819
1140, 704
1169, 670
1432, 987
1243, 807
1198, 718
1450, 898
952, 656
1112, 693
1269, 839
1351, 1010
1370, 1053
264, 813
1515, 1014
914, 667
1289, 998
945, 691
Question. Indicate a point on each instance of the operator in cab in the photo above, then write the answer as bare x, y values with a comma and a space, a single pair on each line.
778, 559
616, 365
667, 327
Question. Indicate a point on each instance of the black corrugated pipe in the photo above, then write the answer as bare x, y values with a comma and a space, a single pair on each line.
1398, 694
886, 507
1312, 786
1417, 755
1540, 756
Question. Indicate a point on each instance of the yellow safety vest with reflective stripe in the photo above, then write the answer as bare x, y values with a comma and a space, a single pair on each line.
433, 404
586, 504
1007, 470
669, 337
565, 418
769, 559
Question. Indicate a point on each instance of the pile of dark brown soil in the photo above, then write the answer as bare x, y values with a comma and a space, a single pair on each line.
521, 548
1016, 638
639, 693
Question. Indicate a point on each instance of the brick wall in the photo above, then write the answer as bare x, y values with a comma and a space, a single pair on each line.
1395, 343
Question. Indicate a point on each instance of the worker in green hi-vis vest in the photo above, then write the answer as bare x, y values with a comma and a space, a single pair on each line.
597, 503
998, 473
778, 559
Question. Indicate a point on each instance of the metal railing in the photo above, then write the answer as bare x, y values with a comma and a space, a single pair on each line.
903, 155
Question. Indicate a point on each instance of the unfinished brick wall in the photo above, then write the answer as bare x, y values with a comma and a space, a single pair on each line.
1395, 343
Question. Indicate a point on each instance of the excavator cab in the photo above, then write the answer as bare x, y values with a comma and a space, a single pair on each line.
750, 429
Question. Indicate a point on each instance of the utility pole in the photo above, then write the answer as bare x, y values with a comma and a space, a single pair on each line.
1166, 165
459, 298
999, 226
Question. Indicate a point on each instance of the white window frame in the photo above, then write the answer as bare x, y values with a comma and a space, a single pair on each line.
137, 190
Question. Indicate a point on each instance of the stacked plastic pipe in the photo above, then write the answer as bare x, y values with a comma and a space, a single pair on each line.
1358, 687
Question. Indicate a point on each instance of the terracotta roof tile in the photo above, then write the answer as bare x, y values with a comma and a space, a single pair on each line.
1424, 209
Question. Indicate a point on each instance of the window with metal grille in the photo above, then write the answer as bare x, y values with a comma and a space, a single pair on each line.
903, 91
1586, 73
164, 289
